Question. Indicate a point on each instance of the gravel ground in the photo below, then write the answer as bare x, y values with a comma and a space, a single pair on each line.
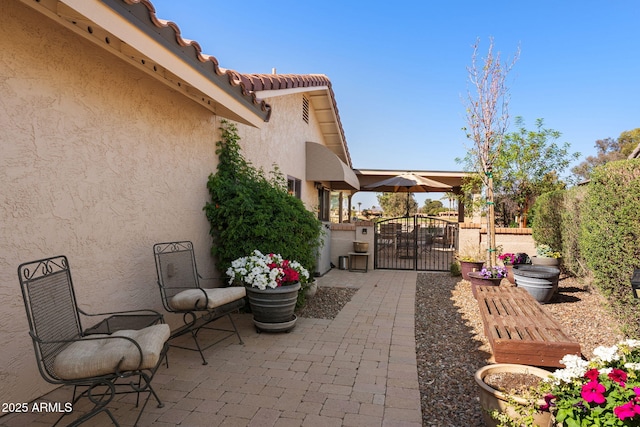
450, 342
451, 346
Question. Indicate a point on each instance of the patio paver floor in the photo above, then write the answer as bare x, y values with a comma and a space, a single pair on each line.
358, 369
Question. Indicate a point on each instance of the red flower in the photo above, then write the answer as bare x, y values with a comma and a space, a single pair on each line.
593, 391
592, 374
547, 402
619, 376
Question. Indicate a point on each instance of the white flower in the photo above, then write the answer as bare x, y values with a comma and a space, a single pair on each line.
575, 367
607, 354
262, 271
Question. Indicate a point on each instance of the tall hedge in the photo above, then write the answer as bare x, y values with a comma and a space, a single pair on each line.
546, 226
610, 234
251, 210
571, 212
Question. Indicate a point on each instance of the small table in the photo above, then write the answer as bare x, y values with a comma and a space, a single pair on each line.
118, 322
352, 258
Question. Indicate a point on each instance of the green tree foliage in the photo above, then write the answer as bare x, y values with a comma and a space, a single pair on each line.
529, 165
249, 210
610, 233
608, 150
395, 204
432, 207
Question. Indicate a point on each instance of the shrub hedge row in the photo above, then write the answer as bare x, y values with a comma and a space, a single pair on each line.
598, 227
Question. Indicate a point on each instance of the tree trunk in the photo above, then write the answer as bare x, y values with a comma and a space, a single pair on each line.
491, 223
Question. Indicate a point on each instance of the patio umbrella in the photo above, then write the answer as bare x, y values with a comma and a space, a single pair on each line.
408, 183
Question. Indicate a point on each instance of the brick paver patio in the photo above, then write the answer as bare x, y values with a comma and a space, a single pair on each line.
358, 369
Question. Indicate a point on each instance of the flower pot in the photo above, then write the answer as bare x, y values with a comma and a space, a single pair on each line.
360, 247
273, 308
510, 277
540, 281
546, 261
468, 266
476, 279
311, 289
495, 400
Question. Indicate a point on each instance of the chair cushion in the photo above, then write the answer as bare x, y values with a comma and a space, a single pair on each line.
90, 357
187, 300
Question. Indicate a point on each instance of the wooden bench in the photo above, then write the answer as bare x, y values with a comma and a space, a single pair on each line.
519, 331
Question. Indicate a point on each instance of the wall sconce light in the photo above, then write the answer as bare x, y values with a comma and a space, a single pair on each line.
635, 283
364, 231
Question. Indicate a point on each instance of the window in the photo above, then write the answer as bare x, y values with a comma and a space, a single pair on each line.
294, 186
305, 109
324, 204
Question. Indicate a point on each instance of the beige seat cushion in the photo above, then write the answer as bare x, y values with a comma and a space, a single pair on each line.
91, 357
187, 300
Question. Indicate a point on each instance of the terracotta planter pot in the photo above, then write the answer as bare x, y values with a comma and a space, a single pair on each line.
492, 399
467, 267
477, 280
273, 309
510, 277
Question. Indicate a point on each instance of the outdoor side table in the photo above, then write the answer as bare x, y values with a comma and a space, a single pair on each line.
118, 322
353, 256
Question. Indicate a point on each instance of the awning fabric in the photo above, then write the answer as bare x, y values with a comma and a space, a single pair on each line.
324, 165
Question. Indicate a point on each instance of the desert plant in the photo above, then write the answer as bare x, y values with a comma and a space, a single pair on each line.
546, 227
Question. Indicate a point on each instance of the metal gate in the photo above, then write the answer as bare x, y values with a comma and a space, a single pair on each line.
417, 242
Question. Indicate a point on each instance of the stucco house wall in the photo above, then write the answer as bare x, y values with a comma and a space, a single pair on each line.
282, 141
99, 162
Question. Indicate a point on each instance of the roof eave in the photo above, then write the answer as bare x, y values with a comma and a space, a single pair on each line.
130, 30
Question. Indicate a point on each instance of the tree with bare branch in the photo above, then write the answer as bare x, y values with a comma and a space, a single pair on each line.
487, 123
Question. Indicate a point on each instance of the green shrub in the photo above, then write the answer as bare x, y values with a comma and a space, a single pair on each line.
546, 226
249, 210
610, 234
572, 204
454, 269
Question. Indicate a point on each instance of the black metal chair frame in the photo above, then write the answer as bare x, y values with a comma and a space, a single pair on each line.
172, 280
55, 323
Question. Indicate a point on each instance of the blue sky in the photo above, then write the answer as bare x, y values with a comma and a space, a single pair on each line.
398, 69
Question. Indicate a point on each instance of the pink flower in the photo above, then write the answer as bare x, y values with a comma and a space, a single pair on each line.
628, 410
619, 376
593, 391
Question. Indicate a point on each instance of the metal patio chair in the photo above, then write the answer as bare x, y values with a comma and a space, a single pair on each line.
181, 293
118, 355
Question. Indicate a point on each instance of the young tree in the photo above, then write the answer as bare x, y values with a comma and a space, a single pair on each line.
487, 123
529, 165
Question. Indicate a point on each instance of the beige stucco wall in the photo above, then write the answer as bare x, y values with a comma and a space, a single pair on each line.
282, 141
99, 162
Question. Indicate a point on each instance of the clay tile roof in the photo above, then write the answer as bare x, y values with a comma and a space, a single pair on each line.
170, 32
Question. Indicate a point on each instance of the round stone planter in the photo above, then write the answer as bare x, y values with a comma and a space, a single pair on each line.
540, 281
545, 261
477, 280
311, 290
467, 267
495, 400
273, 308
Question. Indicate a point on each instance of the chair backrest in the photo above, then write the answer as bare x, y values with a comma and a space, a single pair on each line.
176, 269
52, 311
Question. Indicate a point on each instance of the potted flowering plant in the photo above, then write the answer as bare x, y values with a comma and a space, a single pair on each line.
272, 285
487, 277
509, 260
602, 391
546, 255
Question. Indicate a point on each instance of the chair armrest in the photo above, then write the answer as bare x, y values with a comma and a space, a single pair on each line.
112, 313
